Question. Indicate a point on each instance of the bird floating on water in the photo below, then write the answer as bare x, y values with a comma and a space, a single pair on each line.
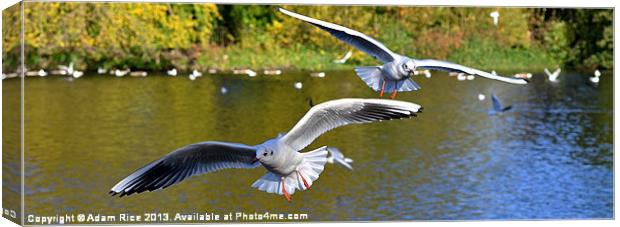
498, 108
481, 97
595, 79
553, 77
288, 169
495, 16
223, 90
470, 77
101, 70
121, 73
298, 85
394, 75
344, 58
195, 74
523, 75
68, 69
138, 74
212, 70
77, 74
172, 72
272, 72
461, 76
317, 74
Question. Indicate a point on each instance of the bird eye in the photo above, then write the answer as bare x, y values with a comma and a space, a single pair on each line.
405, 66
265, 154
271, 153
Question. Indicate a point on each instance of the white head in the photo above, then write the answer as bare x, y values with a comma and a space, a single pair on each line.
407, 67
266, 152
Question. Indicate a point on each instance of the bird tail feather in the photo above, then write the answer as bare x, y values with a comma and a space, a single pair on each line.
371, 75
310, 168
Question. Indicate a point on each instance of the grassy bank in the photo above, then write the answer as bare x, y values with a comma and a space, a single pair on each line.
156, 36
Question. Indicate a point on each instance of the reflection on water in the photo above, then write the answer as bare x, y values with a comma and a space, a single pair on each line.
549, 157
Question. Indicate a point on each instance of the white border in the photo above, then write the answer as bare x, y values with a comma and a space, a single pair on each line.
520, 3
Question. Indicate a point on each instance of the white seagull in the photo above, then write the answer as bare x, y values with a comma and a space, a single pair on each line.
335, 156
595, 79
195, 74
172, 72
394, 75
345, 58
288, 169
553, 77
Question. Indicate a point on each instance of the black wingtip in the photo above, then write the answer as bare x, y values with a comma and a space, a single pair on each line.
420, 110
526, 80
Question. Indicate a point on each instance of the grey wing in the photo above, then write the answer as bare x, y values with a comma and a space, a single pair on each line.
354, 38
332, 114
452, 67
497, 105
185, 162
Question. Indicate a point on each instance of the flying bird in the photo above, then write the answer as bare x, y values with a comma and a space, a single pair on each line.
287, 169
553, 77
394, 75
497, 105
335, 156
344, 58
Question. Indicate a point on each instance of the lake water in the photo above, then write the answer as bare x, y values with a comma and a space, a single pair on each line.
550, 157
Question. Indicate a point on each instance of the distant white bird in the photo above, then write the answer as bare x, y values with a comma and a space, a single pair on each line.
523, 75
212, 70
345, 58
493, 73
595, 79
172, 72
481, 97
250, 73
335, 156
42, 72
470, 77
195, 74
68, 70
77, 74
461, 76
272, 72
223, 90
101, 70
498, 108
298, 85
121, 73
318, 74
138, 73
427, 73
395, 73
553, 77
495, 16
288, 169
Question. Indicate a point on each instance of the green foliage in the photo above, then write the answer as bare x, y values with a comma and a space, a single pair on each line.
200, 36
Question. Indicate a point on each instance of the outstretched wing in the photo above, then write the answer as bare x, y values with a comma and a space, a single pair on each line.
497, 105
354, 38
329, 115
452, 67
185, 162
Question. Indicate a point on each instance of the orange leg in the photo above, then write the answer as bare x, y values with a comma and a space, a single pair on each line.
286, 195
393, 96
382, 88
304, 180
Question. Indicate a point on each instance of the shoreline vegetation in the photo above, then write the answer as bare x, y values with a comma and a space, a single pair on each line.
187, 37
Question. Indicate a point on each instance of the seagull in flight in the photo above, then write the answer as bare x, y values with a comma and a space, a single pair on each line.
287, 169
497, 105
394, 75
553, 77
